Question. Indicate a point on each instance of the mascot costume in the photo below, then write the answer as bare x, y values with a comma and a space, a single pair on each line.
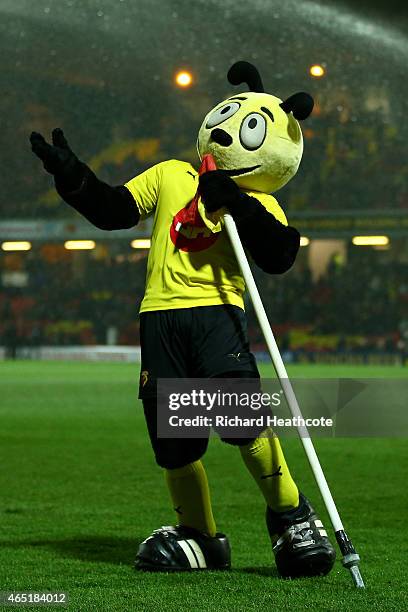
192, 319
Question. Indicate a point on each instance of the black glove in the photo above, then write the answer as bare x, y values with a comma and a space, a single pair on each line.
272, 245
59, 160
217, 189
106, 207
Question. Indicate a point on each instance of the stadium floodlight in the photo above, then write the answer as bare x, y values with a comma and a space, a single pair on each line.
79, 245
317, 70
304, 241
370, 240
350, 557
140, 243
183, 78
21, 245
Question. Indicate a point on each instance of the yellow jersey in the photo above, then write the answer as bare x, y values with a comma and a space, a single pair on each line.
187, 265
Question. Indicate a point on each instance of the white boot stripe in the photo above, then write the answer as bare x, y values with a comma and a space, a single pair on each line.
198, 553
318, 523
323, 532
189, 554
188, 542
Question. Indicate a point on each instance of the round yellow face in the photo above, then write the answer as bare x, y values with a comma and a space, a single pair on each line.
252, 138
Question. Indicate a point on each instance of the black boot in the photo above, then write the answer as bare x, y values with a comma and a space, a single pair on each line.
299, 541
183, 548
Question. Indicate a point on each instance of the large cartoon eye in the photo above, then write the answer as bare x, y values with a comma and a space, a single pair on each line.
221, 114
253, 131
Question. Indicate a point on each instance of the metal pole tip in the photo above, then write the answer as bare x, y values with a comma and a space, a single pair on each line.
357, 578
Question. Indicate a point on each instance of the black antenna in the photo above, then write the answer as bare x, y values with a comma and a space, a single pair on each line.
301, 105
244, 72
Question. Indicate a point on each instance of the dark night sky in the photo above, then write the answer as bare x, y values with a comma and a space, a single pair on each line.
390, 10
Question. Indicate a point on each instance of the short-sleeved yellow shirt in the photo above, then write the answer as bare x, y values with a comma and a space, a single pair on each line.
188, 265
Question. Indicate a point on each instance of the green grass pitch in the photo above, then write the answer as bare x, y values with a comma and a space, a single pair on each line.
79, 490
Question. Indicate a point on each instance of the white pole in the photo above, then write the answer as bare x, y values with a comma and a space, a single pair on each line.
281, 372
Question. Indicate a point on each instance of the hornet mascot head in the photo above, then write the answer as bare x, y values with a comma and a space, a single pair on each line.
254, 136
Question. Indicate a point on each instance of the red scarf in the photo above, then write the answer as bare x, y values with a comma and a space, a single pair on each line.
190, 214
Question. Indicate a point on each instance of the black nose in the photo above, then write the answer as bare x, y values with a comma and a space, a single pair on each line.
221, 137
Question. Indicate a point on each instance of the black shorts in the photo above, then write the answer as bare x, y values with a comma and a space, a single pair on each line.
199, 342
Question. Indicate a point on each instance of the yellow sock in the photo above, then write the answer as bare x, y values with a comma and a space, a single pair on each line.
265, 460
190, 494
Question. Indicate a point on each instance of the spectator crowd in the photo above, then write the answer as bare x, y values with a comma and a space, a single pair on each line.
78, 300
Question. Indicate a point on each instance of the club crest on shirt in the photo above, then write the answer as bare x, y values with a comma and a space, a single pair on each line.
195, 236
144, 377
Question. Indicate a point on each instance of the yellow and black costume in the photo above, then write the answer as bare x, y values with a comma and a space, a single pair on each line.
202, 270
192, 318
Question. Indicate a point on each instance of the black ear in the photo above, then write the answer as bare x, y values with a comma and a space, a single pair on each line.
301, 104
244, 72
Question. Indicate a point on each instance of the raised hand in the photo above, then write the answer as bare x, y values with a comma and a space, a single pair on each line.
58, 159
